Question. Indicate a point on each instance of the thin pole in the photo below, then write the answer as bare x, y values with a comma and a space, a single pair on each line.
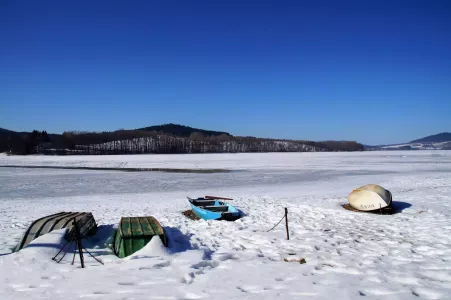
286, 223
75, 252
380, 208
78, 239
64, 246
65, 252
93, 256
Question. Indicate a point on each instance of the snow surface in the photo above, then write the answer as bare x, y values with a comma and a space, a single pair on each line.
348, 255
242, 161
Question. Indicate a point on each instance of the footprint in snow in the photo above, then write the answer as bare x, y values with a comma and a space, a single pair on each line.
205, 264
380, 292
162, 265
188, 278
126, 283
94, 294
251, 289
426, 293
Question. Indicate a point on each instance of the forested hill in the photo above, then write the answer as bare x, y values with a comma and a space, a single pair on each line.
6, 132
171, 139
436, 138
181, 130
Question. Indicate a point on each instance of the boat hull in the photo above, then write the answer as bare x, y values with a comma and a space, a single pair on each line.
85, 220
134, 233
370, 197
231, 214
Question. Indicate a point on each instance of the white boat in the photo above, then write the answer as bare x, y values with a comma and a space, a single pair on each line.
370, 197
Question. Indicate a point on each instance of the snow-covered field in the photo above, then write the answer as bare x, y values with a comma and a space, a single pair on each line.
348, 255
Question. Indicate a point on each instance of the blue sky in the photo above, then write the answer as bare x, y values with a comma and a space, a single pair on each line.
373, 71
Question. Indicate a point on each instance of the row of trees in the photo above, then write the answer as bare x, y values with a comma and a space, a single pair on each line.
139, 141
23, 143
170, 144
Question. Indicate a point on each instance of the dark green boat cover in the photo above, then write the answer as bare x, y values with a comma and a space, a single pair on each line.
85, 220
134, 233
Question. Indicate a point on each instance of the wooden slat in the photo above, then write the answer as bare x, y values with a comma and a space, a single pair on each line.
29, 235
146, 226
68, 221
61, 222
136, 227
214, 197
158, 230
46, 228
86, 224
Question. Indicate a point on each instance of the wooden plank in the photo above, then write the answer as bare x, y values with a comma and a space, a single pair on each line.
128, 246
158, 229
117, 242
86, 224
147, 227
136, 227
155, 225
47, 227
35, 228
61, 223
69, 220
214, 197
121, 248
126, 230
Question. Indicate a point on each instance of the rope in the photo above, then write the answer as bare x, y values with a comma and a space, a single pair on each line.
276, 224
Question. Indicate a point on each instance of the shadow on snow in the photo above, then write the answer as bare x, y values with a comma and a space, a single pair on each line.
399, 206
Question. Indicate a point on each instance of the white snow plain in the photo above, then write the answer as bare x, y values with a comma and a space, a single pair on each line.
348, 255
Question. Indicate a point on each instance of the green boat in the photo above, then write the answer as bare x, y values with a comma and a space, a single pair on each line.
134, 233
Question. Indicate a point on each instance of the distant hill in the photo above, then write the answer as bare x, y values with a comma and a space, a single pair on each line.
161, 139
436, 138
181, 130
4, 131
441, 141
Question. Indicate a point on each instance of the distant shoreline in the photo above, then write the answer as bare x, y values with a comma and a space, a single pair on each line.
167, 170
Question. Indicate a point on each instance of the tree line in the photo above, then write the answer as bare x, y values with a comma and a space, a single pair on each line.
141, 142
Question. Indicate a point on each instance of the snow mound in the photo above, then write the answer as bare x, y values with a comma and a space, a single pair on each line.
154, 248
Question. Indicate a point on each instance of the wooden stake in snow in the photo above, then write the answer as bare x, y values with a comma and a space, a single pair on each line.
286, 223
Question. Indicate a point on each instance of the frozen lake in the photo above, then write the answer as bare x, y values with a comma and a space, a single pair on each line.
350, 255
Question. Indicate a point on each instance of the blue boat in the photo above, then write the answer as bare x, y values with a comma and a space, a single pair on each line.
209, 208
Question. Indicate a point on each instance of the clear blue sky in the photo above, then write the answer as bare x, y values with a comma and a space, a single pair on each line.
372, 71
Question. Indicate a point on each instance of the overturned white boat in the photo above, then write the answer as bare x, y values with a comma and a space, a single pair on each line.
370, 197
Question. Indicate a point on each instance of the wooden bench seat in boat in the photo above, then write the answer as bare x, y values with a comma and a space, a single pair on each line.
204, 202
216, 208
